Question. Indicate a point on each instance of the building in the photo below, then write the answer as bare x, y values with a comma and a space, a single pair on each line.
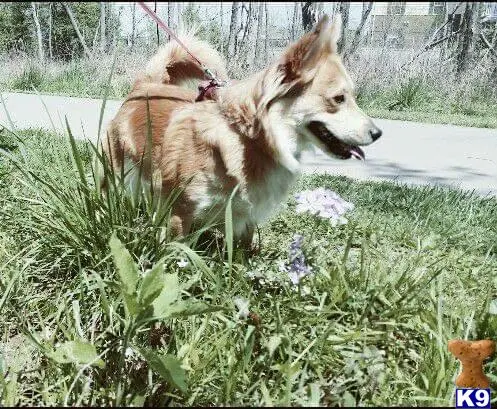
404, 24
411, 24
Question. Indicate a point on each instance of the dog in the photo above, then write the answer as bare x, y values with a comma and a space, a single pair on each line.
251, 136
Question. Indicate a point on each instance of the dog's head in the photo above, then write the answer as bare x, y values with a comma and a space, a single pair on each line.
310, 91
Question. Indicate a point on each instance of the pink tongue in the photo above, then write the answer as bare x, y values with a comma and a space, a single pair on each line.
357, 153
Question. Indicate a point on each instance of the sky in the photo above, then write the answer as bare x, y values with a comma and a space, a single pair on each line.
280, 14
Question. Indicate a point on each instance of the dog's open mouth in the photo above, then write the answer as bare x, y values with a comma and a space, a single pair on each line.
335, 145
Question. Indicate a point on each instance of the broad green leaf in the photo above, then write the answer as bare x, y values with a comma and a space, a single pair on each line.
152, 284
168, 367
131, 304
185, 308
169, 294
77, 352
126, 267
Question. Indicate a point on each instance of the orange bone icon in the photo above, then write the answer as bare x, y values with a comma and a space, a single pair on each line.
472, 354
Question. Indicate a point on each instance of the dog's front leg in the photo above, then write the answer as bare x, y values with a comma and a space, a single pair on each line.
246, 240
180, 225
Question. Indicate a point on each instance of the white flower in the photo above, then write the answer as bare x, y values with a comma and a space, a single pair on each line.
324, 203
242, 305
182, 263
129, 352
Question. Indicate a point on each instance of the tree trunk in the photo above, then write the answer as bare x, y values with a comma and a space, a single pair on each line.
133, 26
50, 49
102, 27
94, 42
76, 28
246, 39
311, 11
477, 11
156, 25
344, 11
233, 29
266, 38
294, 20
358, 33
221, 29
39, 36
170, 18
257, 47
465, 37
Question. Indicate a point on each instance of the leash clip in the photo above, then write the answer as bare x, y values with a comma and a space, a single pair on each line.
207, 91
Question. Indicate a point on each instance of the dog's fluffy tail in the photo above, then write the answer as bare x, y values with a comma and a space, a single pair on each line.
173, 65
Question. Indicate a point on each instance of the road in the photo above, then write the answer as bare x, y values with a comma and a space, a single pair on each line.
408, 152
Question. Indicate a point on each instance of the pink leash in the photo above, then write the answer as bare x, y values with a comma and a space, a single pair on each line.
204, 91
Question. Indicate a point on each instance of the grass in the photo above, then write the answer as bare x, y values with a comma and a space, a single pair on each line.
96, 310
426, 91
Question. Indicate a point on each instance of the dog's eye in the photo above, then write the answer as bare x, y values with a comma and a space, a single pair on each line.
339, 99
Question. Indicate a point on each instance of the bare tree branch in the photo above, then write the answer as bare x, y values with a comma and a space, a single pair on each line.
429, 44
76, 28
358, 32
487, 43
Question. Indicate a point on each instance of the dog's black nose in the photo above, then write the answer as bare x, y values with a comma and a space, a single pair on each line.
375, 133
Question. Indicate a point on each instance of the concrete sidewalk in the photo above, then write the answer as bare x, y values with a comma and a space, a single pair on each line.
408, 152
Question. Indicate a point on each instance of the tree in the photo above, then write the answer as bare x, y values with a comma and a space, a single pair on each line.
39, 37
294, 20
133, 26
257, 46
15, 26
311, 12
366, 11
465, 38
66, 43
266, 38
247, 38
344, 11
171, 19
232, 40
76, 29
102, 27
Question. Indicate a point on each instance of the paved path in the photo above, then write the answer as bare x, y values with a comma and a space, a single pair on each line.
408, 152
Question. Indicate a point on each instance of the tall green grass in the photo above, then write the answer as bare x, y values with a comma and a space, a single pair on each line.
93, 294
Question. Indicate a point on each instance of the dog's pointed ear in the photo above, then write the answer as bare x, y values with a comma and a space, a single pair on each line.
335, 32
305, 53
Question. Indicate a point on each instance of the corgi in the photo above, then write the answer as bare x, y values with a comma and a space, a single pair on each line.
250, 136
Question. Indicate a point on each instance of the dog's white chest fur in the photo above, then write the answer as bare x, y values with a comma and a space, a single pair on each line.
265, 197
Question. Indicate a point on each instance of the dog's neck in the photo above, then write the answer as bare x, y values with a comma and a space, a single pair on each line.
240, 104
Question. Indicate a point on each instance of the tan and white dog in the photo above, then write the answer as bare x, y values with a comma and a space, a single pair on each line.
251, 135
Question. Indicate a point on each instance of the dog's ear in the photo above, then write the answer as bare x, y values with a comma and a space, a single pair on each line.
305, 53
335, 32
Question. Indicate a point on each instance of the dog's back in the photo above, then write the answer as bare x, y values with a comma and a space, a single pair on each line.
169, 82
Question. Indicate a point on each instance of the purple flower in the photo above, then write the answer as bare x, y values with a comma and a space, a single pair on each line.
324, 203
296, 267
